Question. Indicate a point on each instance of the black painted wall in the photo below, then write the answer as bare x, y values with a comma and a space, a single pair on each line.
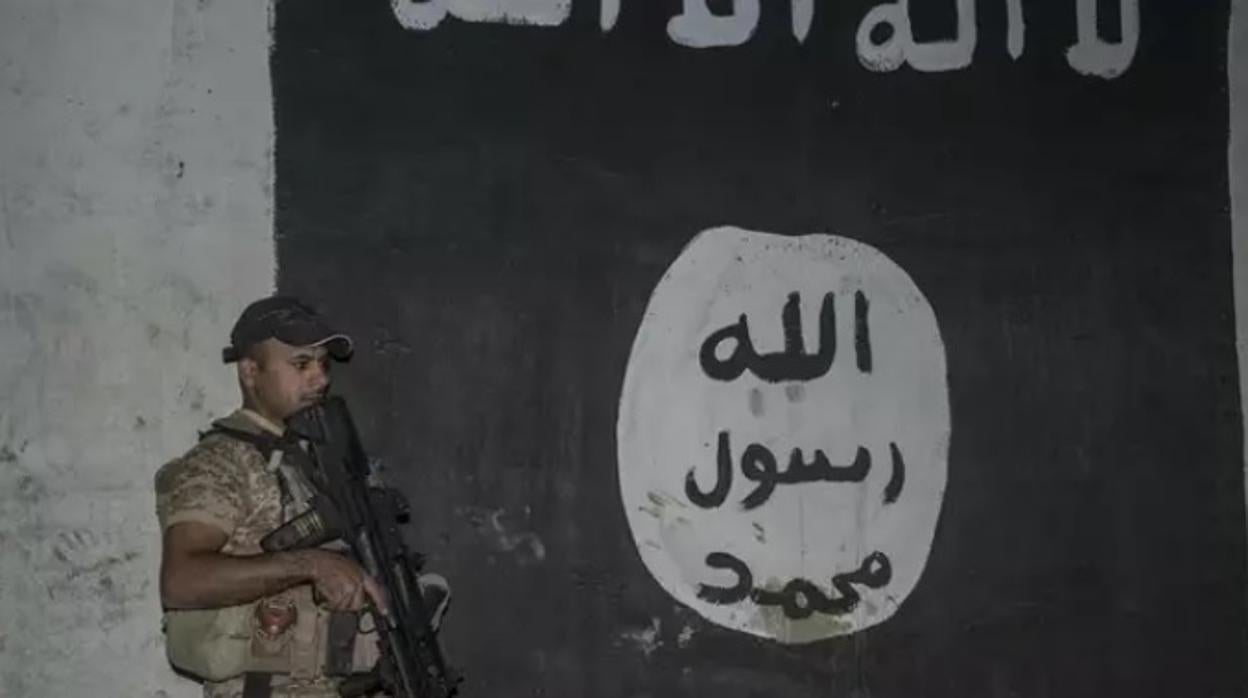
487, 208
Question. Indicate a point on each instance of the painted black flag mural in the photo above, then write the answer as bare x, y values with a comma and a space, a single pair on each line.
746, 348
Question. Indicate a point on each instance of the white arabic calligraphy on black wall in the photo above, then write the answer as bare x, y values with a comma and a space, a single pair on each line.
696, 26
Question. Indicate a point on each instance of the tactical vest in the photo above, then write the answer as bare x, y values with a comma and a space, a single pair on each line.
285, 634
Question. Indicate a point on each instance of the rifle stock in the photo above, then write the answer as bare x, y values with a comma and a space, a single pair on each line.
367, 516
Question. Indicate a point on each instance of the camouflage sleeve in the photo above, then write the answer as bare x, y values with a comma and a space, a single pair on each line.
202, 486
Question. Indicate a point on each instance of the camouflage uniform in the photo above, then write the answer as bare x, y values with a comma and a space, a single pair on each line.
226, 483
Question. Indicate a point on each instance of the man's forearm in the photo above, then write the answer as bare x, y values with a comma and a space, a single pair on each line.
213, 579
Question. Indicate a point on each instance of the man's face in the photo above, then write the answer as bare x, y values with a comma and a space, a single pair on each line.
281, 379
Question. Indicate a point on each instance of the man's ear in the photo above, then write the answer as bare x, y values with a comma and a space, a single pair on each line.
248, 367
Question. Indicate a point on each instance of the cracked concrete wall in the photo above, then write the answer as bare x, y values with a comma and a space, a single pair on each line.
135, 221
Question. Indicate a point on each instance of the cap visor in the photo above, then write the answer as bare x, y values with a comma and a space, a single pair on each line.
339, 346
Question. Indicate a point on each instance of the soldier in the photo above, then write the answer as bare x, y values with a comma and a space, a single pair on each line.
246, 622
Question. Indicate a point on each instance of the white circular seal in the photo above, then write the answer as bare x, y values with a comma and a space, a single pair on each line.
783, 433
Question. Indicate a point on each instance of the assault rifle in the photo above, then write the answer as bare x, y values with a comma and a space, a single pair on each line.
352, 504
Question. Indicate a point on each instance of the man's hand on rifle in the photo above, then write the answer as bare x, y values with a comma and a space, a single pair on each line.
341, 583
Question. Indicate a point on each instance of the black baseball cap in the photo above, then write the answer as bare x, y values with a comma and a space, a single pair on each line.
288, 320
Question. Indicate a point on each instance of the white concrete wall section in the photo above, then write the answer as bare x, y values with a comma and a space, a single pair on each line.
135, 220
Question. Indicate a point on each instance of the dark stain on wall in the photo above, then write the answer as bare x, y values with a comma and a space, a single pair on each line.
487, 208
